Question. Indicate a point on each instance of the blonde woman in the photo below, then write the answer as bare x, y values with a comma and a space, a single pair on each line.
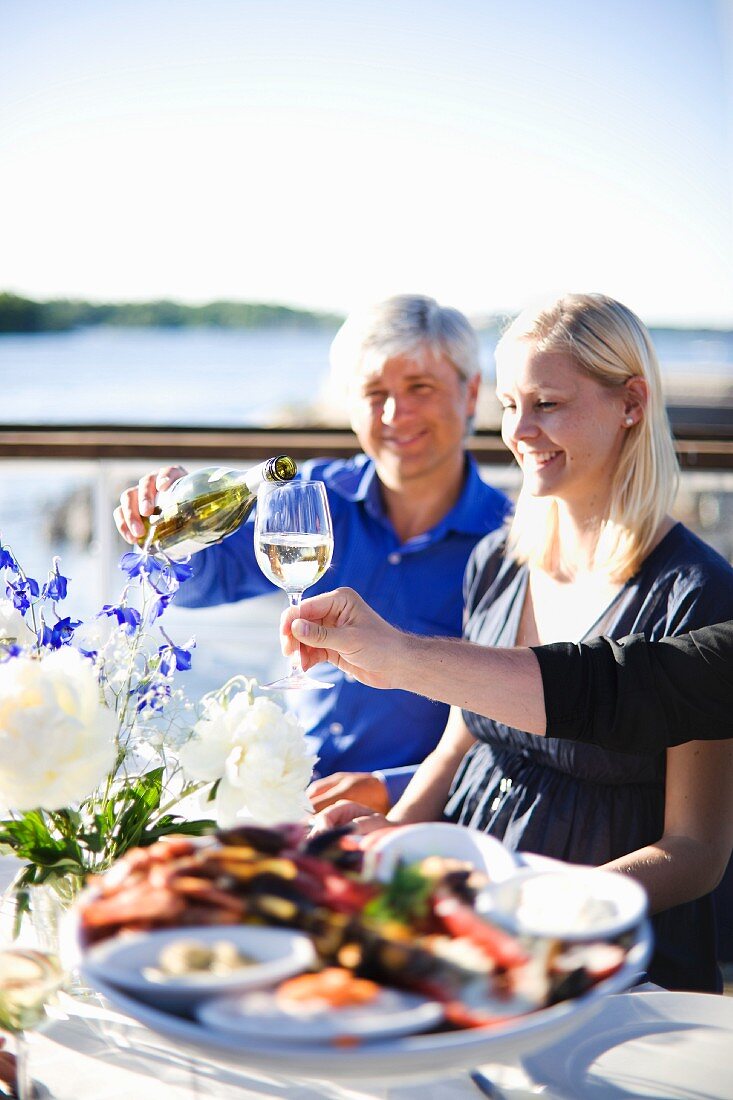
591, 551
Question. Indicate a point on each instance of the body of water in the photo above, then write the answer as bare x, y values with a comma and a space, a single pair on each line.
195, 376
227, 377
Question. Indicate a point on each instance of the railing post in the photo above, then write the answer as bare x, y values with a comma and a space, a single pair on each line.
102, 520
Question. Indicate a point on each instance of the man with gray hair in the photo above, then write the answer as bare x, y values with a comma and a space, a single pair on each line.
406, 514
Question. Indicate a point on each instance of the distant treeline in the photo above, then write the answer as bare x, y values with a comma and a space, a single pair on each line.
19, 314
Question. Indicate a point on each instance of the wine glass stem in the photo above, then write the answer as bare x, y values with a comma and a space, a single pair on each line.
296, 664
23, 1087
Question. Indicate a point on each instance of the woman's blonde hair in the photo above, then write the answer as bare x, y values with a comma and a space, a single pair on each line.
610, 344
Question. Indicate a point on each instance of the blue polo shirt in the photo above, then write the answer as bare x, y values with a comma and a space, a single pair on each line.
416, 585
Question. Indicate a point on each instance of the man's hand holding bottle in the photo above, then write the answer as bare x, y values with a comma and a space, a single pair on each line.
140, 500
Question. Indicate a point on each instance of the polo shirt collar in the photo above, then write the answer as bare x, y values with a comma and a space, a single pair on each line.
467, 516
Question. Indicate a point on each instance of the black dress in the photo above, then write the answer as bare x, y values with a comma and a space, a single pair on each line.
578, 802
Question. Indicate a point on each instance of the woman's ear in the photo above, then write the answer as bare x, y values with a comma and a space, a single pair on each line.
636, 394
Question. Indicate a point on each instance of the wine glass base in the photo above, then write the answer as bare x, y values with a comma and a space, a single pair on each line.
297, 682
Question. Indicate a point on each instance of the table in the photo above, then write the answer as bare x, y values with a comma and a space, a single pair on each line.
653, 1044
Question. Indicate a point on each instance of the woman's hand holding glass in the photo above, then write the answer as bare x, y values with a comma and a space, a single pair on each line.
294, 544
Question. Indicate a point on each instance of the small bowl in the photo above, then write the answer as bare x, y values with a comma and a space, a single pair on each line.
279, 953
575, 904
411, 843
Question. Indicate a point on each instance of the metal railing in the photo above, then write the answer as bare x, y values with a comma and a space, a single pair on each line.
702, 443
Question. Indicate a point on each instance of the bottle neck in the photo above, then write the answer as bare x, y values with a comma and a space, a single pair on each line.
253, 477
280, 469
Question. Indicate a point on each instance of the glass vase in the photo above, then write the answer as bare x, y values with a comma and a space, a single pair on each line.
38, 917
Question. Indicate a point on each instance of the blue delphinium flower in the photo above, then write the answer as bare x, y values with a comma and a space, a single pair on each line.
159, 605
57, 585
127, 617
153, 695
164, 574
133, 562
22, 592
174, 658
7, 559
63, 631
53, 637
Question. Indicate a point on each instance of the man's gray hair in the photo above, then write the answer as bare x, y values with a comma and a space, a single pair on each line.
409, 325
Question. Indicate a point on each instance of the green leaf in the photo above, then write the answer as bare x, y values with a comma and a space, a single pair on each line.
405, 898
176, 825
142, 799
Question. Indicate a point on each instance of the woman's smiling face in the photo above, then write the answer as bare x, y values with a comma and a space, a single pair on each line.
564, 428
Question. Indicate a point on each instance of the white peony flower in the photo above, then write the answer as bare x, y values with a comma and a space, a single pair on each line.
13, 627
57, 739
260, 755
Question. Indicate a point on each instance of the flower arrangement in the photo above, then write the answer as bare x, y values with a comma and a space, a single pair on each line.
98, 744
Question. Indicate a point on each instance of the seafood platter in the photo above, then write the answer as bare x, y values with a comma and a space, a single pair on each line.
428, 951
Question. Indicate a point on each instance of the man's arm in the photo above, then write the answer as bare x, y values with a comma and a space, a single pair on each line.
341, 628
639, 696
631, 696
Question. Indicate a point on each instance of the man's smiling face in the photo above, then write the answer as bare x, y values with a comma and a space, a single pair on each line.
410, 416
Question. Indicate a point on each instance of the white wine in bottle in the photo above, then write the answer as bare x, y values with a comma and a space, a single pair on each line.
207, 505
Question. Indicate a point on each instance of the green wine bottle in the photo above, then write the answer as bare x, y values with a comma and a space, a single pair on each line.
207, 505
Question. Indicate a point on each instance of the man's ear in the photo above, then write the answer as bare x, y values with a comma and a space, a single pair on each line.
473, 385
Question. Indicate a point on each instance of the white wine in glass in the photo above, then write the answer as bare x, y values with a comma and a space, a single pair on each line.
28, 980
294, 544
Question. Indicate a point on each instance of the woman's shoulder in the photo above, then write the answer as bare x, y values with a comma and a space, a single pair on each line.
487, 565
691, 579
489, 552
684, 554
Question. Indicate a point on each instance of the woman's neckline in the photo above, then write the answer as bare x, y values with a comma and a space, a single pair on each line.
591, 631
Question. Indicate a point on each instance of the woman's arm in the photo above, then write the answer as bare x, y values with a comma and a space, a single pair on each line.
690, 857
425, 795
427, 791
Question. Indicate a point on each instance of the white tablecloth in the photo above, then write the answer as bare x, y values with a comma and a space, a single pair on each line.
87, 1052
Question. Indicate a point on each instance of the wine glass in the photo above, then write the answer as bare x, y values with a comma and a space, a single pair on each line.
293, 544
28, 979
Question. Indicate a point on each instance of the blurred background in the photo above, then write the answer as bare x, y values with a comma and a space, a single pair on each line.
193, 194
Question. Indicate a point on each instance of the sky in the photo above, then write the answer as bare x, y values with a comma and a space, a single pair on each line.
326, 153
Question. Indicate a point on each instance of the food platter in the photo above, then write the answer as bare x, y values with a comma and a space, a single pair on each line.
394, 941
413, 1056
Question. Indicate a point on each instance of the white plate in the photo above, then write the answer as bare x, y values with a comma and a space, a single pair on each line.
567, 902
280, 953
411, 843
645, 1045
258, 1015
412, 1056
